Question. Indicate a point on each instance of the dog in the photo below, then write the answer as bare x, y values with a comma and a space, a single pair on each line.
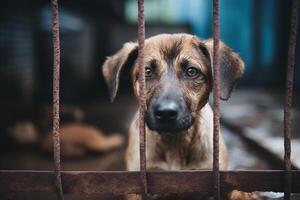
179, 120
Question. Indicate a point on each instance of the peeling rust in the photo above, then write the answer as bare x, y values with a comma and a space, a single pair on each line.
56, 78
142, 97
216, 99
118, 183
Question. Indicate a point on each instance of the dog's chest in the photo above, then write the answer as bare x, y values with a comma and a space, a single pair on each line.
181, 155
176, 160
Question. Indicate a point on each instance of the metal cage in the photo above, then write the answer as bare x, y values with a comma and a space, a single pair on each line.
145, 182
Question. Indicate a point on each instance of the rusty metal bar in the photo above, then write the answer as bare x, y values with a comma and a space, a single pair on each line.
167, 182
56, 78
142, 97
289, 97
216, 99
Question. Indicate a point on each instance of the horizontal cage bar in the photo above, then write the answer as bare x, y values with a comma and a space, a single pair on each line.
89, 182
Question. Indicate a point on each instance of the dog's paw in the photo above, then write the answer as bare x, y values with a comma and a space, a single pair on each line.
239, 195
133, 197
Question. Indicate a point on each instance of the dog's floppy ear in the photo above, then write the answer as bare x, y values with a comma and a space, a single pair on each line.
113, 66
231, 66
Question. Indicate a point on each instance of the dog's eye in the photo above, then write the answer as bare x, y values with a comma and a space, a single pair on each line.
192, 72
148, 72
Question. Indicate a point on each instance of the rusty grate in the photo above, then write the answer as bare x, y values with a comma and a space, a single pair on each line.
83, 182
145, 182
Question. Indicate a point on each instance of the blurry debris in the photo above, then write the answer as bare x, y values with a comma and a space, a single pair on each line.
78, 139
258, 116
68, 114
259, 109
276, 196
259, 142
240, 155
24, 132
268, 139
78, 115
73, 112
275, 144
271, 195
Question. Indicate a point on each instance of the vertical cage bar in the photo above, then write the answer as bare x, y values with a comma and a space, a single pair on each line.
216, 99
142, 97
56, 118
289, 97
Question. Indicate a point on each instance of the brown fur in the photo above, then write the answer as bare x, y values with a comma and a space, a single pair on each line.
79, 139
168, 54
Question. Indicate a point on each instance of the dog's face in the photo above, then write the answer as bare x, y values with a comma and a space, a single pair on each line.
178, 77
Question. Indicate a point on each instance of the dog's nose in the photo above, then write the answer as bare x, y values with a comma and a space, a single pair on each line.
166, 111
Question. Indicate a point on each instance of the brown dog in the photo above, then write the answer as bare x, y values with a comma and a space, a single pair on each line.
179, 131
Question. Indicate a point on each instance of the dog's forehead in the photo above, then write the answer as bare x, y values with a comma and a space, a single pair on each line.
166, 49
165, 46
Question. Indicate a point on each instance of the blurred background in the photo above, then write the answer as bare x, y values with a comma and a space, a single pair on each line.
90, 31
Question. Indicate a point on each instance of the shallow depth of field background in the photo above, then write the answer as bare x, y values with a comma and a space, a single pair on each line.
94, 29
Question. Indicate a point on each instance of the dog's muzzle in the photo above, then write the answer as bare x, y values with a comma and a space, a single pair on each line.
168, 116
